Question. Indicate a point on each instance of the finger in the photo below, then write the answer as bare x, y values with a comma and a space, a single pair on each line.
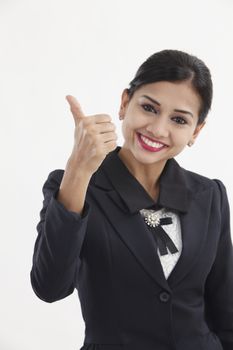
75, 107
102, 118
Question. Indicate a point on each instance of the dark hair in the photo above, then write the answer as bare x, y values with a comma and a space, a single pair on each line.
175, 65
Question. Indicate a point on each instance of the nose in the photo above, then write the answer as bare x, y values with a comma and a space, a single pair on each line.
158, 127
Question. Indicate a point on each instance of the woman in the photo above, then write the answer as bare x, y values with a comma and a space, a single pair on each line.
145, 242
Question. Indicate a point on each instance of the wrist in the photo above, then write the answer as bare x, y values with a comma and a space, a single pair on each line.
77, 170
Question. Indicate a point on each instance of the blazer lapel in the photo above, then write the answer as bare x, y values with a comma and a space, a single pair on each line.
194, 228
133, 232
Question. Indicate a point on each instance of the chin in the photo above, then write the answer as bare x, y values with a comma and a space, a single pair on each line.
150, 159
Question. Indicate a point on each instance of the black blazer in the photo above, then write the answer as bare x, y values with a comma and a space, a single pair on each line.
110, 258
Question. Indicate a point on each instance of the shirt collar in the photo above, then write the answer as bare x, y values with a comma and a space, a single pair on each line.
173, 190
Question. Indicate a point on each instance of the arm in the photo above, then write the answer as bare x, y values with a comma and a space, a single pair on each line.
219, 284
65, 212
61, 233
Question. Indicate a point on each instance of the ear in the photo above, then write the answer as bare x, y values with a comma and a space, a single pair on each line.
197, 131
124, 103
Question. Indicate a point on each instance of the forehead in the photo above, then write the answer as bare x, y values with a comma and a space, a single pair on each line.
176, 95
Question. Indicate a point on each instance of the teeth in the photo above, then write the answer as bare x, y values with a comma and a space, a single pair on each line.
150, 143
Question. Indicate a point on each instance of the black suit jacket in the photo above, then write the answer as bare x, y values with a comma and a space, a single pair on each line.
110, 258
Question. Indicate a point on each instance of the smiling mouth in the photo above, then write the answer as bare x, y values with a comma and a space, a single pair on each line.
150, 145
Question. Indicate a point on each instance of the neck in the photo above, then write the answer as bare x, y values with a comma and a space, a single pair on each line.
146, 174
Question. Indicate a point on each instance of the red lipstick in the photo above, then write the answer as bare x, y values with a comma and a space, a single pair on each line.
148, 147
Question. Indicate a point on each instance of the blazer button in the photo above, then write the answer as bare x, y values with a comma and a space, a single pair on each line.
164, 296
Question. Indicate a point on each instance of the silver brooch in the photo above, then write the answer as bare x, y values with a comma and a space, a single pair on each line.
151, 218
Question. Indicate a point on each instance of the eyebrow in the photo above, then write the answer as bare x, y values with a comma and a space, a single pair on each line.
159, 104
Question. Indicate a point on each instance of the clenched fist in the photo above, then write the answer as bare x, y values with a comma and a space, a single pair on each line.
94, 137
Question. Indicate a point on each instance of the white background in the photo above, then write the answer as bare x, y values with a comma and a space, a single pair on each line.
90, 49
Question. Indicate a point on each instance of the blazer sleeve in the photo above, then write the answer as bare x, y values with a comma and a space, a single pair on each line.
58, 244
219, 283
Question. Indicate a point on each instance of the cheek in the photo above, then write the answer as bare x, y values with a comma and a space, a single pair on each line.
181, 138
130, 125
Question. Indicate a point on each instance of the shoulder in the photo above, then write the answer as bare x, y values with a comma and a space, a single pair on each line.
55, 176
198, 178
198, 181
53, 180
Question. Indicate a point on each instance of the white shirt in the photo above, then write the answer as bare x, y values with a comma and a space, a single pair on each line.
169, 260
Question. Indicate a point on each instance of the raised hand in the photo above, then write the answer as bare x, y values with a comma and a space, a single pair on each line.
94, 137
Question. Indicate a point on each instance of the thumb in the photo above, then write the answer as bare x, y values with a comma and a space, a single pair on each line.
75, 107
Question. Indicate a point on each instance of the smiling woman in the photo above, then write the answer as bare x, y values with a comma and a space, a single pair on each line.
167, 103
146, 243
156, 131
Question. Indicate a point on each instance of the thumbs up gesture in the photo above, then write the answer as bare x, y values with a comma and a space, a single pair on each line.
94, 137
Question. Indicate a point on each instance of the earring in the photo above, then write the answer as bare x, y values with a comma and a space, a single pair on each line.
190, 143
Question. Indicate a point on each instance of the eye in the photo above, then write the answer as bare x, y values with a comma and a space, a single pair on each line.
180, 120
148, 108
